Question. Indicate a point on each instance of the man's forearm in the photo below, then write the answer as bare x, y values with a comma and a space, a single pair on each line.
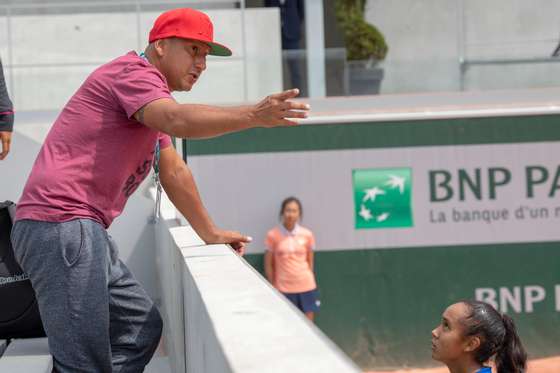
202, 121
182, 191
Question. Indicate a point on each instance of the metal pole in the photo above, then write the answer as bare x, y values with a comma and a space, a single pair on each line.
138, 27
461, 42
244, 42
315, 43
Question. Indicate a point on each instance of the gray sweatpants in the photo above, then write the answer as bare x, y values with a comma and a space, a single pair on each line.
97, 317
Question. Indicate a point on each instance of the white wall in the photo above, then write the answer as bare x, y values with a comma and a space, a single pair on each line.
511, 28
85, 41
424, 47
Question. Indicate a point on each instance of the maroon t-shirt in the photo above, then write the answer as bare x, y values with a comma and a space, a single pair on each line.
96, 154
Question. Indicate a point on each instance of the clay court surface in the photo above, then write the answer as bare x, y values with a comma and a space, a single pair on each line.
549, 365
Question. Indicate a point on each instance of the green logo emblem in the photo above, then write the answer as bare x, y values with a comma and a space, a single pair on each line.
382, 198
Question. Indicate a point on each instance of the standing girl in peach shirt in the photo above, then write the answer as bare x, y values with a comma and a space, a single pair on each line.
289, 259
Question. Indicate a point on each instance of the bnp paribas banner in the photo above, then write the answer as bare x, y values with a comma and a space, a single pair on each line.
397, 197
383, 197
464, 194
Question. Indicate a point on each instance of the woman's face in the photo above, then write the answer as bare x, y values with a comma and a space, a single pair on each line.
449, 343
291, 213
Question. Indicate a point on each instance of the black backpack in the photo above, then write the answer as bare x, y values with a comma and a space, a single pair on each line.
19, 314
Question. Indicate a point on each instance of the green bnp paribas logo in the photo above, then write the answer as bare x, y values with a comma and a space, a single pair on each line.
382, 198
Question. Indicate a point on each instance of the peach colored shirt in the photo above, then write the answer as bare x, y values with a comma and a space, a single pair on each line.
289, 249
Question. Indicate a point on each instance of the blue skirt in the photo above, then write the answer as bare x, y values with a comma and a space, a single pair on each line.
307, 301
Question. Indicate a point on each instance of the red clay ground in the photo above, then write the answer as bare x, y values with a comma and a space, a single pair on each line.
549, 365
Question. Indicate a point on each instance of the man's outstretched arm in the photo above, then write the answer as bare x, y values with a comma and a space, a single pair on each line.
178, 182
203, 121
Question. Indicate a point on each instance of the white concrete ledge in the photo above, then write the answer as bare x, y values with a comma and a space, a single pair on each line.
27, 355
248, 324
220, 315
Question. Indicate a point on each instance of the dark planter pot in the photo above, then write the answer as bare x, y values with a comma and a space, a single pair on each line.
364, 78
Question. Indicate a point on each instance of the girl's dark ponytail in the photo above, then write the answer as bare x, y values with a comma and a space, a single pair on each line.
498, 336
511, 356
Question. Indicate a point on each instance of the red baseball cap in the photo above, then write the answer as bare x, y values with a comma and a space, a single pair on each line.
187, 23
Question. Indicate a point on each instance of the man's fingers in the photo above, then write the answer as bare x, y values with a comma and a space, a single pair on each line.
238, 242
291, 105
286, 95
294, 110
245, 239
295, 114
235, 237
239, 247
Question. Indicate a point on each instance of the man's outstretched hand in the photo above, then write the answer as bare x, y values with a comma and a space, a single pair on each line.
235, 239
5, 139
277, 110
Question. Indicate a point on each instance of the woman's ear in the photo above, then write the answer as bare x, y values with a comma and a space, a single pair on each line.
472, 343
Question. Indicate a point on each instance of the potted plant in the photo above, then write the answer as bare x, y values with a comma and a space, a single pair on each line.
365, 47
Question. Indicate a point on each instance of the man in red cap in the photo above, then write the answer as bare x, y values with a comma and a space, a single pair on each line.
96, 315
